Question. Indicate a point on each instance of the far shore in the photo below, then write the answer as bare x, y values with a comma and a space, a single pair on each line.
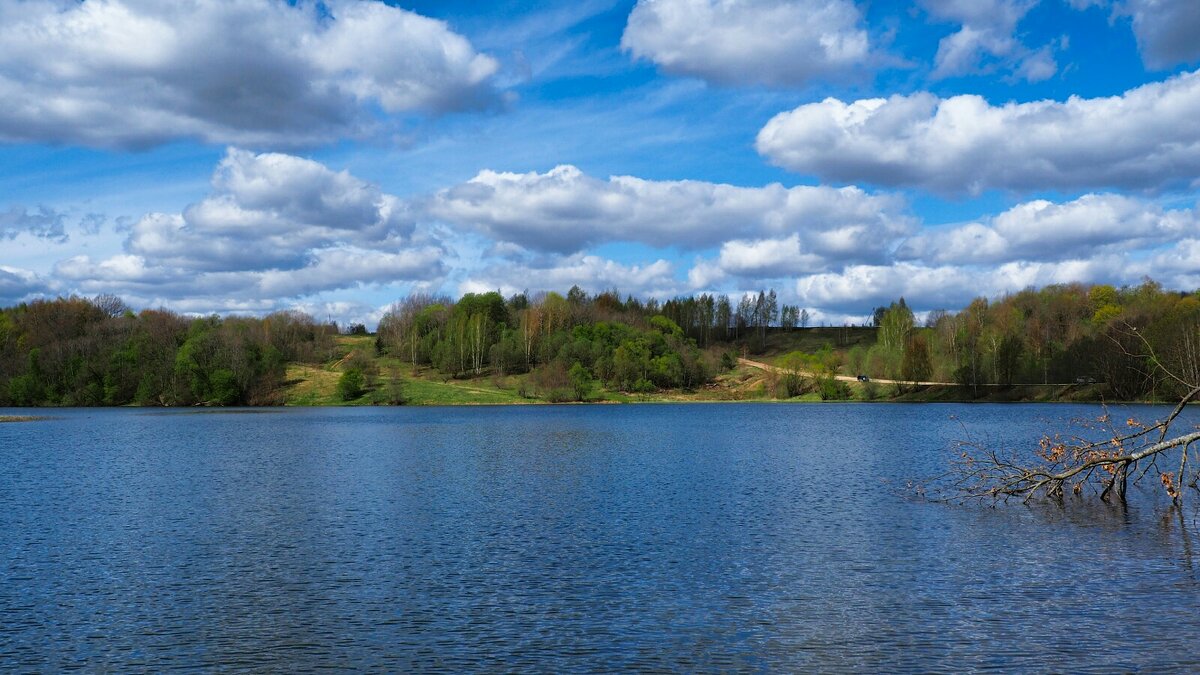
914, 397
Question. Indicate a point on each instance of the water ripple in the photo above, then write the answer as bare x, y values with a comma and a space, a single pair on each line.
573, 539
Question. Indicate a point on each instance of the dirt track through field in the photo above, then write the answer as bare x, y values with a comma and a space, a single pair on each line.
845, 378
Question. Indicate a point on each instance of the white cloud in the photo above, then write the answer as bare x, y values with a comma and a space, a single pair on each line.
343, 312
1047, 231
564, 211
591, 273
270, 210
761, 259
768, 258
1144, 138
772, 42
330, 269
134, 73
926, 287
1177, 266
867, 286
275, 226
985, 40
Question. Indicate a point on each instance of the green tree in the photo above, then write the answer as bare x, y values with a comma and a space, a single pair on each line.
794, 381
581, 381
895, 325
631, 363
350, 385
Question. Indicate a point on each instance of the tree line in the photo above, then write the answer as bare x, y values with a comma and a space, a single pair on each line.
1062, 334
79, 351
91, 352
567, 344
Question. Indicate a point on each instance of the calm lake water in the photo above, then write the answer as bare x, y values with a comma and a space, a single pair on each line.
654, 537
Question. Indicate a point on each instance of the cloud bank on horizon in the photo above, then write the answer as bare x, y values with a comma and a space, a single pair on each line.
840, 152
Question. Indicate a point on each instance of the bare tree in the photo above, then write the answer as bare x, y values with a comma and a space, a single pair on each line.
112, 305
1103, 461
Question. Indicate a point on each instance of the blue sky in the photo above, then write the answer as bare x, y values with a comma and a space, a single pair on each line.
254, 155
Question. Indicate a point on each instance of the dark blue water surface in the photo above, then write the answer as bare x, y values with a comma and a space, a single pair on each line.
686, 538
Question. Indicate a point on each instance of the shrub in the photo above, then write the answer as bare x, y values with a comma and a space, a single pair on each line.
792, 385
393, 389
581, 381
832, 389
728, 360
552, 382
350, 385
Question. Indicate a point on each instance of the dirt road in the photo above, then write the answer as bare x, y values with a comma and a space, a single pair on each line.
845, 378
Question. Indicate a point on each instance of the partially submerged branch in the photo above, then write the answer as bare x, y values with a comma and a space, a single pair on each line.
1079, 465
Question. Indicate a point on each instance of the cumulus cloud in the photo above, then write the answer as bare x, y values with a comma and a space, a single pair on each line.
343, 312
1177, 266
1166, 30
760, 259
42, 222
1097, 238
135, 73
985, 40
769, 258
925, 287
275, 226
329, 269
18, 284
565, 210
1144, 138
591, 273
739, 42
269, 210
1048, 231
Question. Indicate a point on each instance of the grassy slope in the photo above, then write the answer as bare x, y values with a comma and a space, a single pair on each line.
316, 384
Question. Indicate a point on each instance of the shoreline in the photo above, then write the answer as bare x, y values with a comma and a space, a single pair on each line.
514, 404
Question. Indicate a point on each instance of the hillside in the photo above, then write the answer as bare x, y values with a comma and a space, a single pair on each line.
316, 384
1060, 343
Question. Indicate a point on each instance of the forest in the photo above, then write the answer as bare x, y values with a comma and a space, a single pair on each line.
97, 351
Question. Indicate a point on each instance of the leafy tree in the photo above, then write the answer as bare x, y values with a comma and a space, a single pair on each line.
895, 325
350, 385
581, 381
631, 363
794, 382
788, 320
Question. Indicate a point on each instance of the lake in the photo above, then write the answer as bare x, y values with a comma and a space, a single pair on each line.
566, 538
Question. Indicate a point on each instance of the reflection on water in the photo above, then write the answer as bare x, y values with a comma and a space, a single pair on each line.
691, 538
